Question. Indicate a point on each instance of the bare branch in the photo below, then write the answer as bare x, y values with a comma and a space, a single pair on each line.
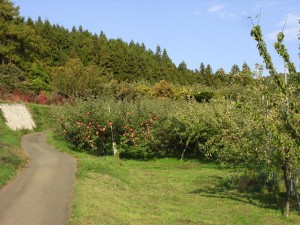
287, 15
249, 17
259, 16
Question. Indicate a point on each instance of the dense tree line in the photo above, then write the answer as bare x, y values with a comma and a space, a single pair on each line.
50, 57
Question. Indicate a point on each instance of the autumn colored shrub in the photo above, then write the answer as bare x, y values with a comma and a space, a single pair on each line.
17, 96
163, 89
42, 99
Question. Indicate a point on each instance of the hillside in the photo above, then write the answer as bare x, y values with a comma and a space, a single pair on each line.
37, 56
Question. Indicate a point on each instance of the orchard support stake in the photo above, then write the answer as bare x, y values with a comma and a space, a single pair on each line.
114, 144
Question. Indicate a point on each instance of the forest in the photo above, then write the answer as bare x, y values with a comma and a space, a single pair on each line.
37, 56
112, 97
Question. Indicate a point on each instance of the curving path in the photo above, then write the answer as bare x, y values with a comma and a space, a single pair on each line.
41, 194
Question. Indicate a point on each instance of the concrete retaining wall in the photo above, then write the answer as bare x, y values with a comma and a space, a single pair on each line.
17, 116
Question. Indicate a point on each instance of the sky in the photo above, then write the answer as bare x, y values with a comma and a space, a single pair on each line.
215, 32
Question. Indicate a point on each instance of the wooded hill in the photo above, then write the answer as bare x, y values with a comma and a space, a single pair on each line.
38, 56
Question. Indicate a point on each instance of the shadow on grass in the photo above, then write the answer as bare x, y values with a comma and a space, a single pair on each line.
260, 199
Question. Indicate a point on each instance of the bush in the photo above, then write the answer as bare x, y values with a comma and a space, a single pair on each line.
143, 128
256, 181
91, 125
204, 96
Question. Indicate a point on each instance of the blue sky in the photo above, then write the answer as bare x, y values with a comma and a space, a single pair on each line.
194, 31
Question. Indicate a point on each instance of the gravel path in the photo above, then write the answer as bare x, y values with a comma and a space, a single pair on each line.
41, 194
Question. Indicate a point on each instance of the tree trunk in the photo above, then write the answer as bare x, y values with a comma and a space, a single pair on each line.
288, 185
115, 148
295, 185
186, 145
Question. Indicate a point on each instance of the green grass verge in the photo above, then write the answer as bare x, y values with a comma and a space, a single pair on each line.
12, 157
166, 191
42, 116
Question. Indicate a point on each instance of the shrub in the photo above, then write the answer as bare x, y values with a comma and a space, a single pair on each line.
204, 96
42, 99
143, 128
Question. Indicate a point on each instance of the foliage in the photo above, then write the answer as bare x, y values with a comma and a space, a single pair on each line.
142, 128
235, 69
43, 116
163, 89
204, 96
12, 78
284, 130
38, 79
90, 125
78, 63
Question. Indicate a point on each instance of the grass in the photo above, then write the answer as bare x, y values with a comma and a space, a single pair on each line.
166, 191
12, 157
42, 116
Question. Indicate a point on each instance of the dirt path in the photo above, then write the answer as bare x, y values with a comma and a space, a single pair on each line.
41, 194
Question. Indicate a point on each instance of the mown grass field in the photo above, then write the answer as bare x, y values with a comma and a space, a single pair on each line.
165, 191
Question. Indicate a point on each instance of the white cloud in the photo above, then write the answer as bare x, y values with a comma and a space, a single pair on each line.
291, 29
215, 8
220, 11
292, 20
290, 34
267, 4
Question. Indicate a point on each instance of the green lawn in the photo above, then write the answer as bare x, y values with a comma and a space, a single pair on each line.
166, 191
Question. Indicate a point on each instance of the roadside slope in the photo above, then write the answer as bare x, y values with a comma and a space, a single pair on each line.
17, 116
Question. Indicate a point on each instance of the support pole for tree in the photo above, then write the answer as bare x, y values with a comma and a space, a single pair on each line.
186, 145
114, 144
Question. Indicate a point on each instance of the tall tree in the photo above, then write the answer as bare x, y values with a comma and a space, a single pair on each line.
158, 51
208, 71
246, 69
11, 25
285, 128
182, 66
235, 69
202, 69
